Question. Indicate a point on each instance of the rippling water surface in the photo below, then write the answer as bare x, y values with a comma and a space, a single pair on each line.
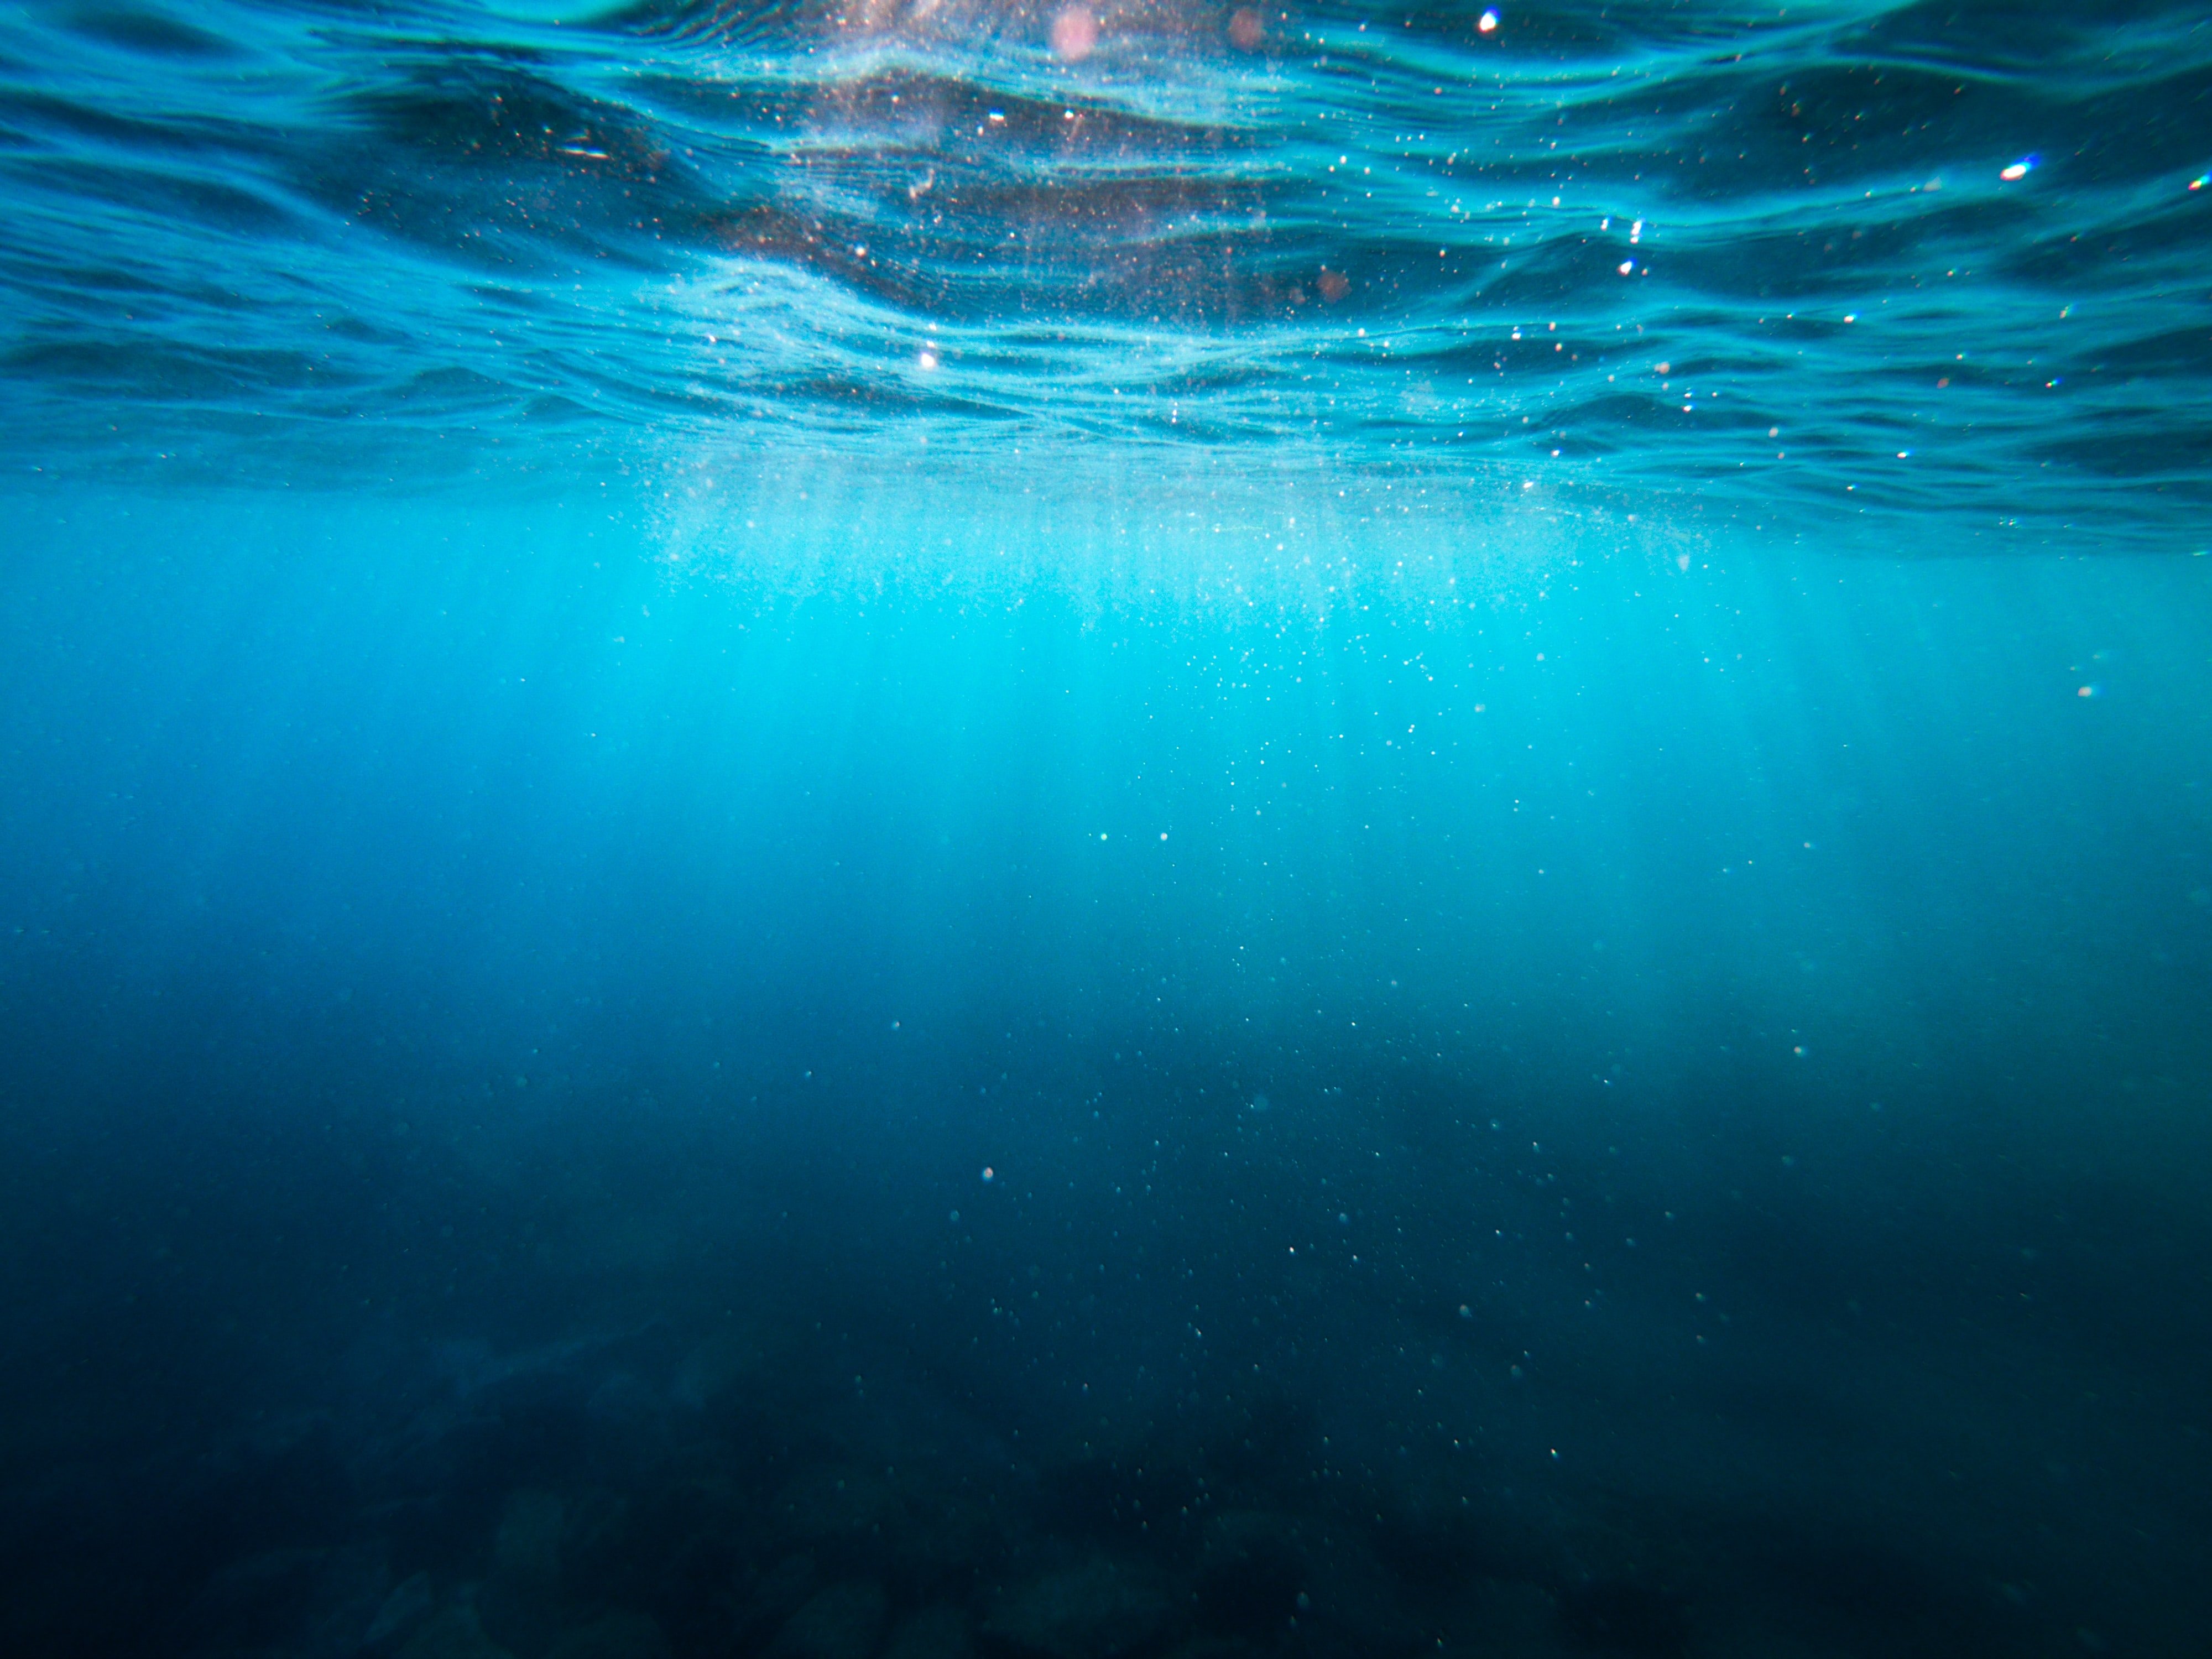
1943, 259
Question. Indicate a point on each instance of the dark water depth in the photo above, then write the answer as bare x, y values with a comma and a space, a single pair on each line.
555, 1098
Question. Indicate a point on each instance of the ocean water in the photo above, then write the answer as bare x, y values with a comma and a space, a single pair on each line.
1121, 831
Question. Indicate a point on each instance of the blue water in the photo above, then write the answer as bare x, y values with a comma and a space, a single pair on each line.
917, 830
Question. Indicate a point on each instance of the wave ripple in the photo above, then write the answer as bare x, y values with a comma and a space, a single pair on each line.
1948, 260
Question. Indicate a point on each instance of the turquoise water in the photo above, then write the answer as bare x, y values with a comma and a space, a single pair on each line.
921, 830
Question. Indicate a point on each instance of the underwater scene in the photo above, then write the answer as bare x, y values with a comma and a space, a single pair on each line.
1105, 829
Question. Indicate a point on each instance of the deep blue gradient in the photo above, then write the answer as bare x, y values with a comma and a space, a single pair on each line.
786, 872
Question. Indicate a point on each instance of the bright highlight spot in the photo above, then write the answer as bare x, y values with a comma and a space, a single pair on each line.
2019, 169
1074, 34
1488, 21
